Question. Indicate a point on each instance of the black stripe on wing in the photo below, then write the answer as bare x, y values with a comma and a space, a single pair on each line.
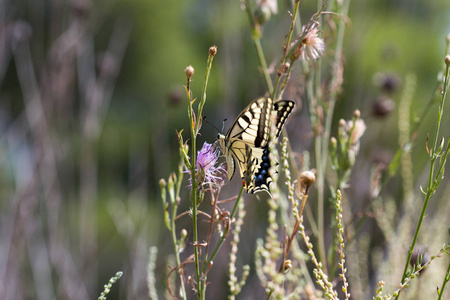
252, 125
282, 108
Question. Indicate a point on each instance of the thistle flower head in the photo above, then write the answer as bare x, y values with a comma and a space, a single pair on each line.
207, 174
312, 46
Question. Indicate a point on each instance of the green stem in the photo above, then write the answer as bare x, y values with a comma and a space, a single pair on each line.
327, 127
205, 84
208, 260
175, 244
172, 226
194, 192
431, 188
286, 46
225, 233
446, 279
256, 39
313, 19
263, 63
195, 196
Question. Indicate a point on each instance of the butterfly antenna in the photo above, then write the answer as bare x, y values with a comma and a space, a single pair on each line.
204, 119
223, 124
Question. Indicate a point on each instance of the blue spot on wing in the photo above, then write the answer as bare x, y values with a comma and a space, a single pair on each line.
262, 175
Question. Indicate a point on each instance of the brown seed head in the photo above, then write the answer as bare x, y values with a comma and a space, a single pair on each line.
307, 178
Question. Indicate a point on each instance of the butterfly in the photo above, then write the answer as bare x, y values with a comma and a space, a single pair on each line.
247, 141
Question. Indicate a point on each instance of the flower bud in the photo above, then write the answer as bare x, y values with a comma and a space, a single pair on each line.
447, 60
183, 234
212, 51
287, 265
262, 13
306, 179
189, 71
356, 114
333, 143
162, 183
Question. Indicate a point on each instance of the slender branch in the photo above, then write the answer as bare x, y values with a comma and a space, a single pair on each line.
431, 187
446, 279
225, 233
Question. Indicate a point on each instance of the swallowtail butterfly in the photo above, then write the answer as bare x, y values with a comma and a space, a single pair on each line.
247, 141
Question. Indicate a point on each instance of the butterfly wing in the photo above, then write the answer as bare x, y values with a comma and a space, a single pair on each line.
281, 110
250, 128
253, 124
256, 175
246, 143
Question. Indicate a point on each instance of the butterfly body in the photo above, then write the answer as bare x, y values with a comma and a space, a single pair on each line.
247, 141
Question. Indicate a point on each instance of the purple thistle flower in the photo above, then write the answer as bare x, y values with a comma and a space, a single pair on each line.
207, 174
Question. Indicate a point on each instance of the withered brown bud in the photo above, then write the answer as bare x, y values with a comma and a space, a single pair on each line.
382, 107
306, 179
388, 82
212, 51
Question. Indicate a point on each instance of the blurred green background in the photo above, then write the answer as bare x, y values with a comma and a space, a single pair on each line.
91, 93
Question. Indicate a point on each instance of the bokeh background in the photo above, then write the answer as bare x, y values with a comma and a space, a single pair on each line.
91, 93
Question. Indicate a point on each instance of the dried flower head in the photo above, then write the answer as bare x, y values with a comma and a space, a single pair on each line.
388, 82
354, 133
207, 174
360, 128
314, 45
311, 47
382, 107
